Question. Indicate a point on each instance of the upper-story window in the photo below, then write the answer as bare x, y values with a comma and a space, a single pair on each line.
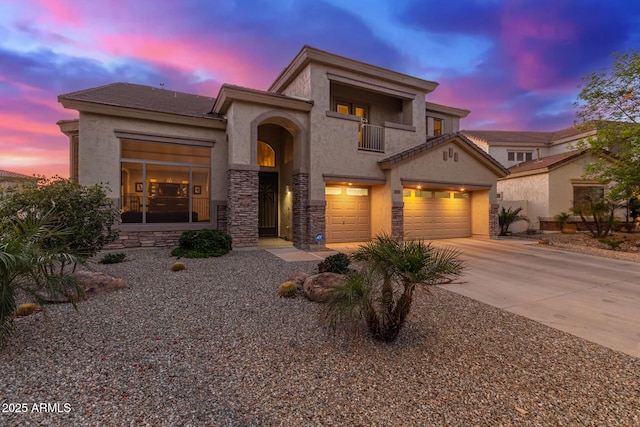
343, 107
435, 127
519, 156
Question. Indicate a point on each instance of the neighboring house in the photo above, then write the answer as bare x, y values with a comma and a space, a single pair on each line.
546, 172
13, 180
335, 150
548, 186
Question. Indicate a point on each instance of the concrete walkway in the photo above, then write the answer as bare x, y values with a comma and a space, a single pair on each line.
594, 298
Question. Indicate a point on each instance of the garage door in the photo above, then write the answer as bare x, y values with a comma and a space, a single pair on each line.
436, 214
347, 214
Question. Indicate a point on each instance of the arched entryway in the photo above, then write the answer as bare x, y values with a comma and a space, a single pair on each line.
279, 156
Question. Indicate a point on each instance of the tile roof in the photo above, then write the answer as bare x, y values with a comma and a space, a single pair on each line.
13, 175
145, 98
523, 137
434, 142
546, 162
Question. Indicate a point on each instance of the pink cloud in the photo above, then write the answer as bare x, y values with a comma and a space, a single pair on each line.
60, 10
189, 55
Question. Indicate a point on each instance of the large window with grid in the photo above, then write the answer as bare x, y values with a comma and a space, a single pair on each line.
163, 182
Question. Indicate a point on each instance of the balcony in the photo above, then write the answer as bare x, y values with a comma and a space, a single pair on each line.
371, 138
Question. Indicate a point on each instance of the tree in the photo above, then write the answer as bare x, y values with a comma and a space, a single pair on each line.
29, 264
597, 213
506, 217
381, 292
85, 210
609, 103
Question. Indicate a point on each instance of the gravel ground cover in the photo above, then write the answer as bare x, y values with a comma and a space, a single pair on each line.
213, 345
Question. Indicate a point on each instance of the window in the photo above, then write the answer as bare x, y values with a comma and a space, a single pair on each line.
584, 194
164, 182
266, 155
519, 156
435, 127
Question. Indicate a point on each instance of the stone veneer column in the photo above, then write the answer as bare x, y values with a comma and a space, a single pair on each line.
299, 209
397, 220
316, 214
494, 226
242, 207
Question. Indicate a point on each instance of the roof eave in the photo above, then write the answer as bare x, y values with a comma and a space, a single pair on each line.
138, 113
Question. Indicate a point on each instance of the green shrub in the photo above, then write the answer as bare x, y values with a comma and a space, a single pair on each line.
613, 242
287, 290
113, 258
85, 210
202, 244
338, 263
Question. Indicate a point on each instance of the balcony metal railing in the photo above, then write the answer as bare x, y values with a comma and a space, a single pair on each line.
371, 138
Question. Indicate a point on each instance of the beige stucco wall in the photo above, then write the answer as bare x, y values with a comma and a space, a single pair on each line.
99, 150
333, 141
380, 209
430, 166
480, 213
534, 189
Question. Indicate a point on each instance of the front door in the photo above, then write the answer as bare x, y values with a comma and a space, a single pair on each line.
268, 204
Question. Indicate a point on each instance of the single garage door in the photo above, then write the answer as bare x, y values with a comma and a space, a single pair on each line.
347, 214
436, 214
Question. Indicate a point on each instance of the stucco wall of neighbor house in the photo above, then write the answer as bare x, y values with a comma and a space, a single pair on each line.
533, 188
99, 150
561, 186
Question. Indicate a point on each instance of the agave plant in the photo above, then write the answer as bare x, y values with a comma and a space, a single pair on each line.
30, 264
381, 291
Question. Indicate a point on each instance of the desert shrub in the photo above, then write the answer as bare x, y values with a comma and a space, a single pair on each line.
613, 242
506, 217
113, 258
287, 289
380, 294
30, 264
202, 244
338, 263
178, 266
85, 210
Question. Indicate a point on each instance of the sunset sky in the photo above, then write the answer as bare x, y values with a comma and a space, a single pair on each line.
516, 64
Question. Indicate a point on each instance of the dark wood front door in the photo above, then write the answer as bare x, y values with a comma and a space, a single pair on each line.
268, 204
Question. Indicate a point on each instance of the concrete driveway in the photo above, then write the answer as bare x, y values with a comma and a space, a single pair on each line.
595, 298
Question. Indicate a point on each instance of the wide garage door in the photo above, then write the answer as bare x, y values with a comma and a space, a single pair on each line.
436, 214
347, 214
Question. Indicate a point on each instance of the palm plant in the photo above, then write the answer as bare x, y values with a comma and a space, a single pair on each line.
31, 265
506, 217
381, 291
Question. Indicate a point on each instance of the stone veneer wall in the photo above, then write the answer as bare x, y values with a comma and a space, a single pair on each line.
397, 221
242, 207
494, 226
317, 225
221, 223
300, 189
145, 239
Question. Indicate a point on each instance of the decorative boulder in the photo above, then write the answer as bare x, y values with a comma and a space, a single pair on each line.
93, 282
298, 278
317, 287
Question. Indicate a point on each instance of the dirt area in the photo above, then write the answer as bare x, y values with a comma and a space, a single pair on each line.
582, 242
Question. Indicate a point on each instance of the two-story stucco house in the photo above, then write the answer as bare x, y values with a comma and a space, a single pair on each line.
546, 172
335, 150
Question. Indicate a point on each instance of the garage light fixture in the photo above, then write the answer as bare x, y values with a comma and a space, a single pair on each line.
462, 189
